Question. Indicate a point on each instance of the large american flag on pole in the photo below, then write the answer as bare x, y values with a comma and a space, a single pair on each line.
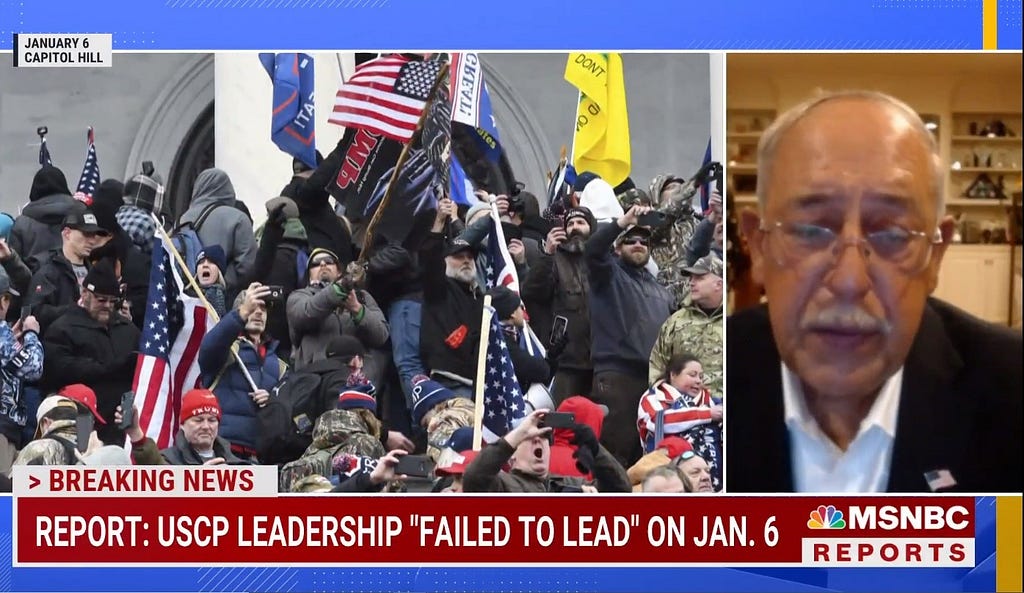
168, 365
90, 178
500, 270
386, 96
504, 403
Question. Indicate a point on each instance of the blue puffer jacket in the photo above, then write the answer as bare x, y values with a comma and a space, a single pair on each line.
239, 424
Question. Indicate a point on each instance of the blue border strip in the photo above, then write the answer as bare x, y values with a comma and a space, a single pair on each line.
531, 24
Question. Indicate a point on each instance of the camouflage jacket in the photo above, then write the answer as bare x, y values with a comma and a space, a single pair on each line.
451, 415
336, 432
692, 330
668, 247
46, 451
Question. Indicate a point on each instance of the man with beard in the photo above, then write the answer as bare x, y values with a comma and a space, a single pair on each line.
697, 327
452, 307
559, 282
92, 344
628, 308
242, 330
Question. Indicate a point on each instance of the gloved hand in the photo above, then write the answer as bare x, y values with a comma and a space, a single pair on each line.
277, 217
557, 348
587, 447
708, 172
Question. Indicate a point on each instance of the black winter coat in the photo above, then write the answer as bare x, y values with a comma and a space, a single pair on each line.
450, 329
80, 350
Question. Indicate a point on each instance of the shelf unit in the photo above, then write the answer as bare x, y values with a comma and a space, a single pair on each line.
745, 127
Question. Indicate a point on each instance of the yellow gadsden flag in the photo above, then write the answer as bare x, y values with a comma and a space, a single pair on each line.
601, 144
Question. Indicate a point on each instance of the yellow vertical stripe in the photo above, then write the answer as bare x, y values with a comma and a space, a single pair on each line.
989, 19
1008, 541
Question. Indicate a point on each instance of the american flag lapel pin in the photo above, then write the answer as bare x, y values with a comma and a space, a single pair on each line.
939, 479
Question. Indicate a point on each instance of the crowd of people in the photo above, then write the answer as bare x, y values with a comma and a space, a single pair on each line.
333, 358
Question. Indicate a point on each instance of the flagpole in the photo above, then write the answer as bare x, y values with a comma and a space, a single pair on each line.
575, 119
481, 372
199, 294
402, 157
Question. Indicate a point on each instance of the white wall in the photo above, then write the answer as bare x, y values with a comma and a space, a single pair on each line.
258, 169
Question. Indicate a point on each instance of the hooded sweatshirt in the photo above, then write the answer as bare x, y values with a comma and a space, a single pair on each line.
586, 412
228, 227
37, 230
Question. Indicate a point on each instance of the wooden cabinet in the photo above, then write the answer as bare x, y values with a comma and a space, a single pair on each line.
977, 279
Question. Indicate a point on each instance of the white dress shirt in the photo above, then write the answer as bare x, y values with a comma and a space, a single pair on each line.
819, 465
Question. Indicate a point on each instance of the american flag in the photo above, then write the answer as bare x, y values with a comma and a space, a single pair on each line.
44, 154
168, 365
503, 399
90, 173
386, 96
501, 271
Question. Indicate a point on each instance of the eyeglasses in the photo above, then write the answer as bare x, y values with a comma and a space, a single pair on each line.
800, 243
635, 241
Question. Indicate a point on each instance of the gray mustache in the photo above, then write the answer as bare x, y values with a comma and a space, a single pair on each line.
846, 319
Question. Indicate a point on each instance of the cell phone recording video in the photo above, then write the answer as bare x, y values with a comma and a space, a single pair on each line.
653, 219
127, 410
84, 424
558, 329
558, 420
416, 466
276, 293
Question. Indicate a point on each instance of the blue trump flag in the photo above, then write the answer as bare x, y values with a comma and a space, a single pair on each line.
292, 121
460, 189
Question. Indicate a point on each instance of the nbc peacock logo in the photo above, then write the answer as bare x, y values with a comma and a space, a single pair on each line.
826, 517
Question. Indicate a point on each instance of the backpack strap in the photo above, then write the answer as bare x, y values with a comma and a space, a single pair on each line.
70, 458
196, 224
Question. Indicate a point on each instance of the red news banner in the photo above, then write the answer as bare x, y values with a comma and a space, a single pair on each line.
232, 515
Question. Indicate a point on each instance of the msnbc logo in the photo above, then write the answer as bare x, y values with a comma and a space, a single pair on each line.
826, 517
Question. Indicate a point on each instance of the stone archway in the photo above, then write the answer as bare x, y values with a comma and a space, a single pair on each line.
195, 155
177, 133
520, 135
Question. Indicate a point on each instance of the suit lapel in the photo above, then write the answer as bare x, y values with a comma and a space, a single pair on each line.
933, 410
773, 436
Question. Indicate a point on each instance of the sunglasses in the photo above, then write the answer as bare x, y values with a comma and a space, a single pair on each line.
323, 261
100, 234
635, 241
686, 456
